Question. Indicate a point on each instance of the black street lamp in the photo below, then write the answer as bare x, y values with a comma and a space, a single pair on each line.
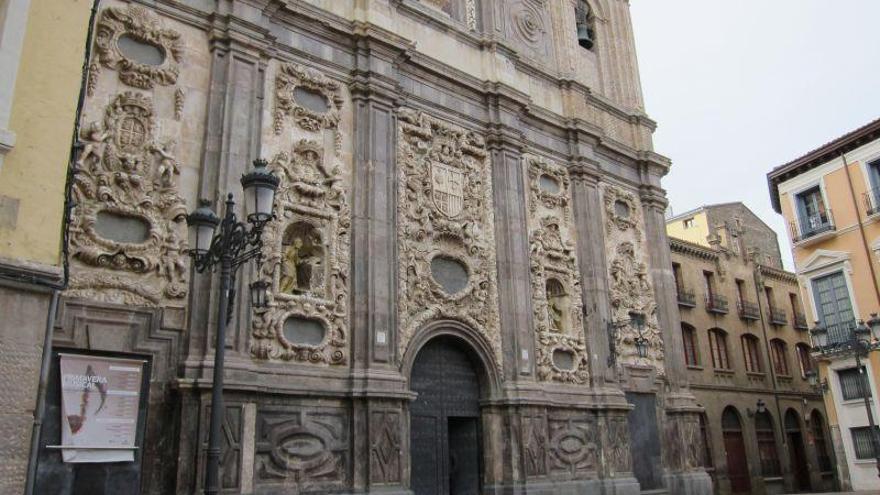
859, 343
234, 245
636, 320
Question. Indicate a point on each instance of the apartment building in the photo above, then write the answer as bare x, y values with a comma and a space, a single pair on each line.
747, 351
830, 198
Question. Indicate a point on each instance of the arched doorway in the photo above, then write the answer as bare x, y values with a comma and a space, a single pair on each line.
798, 455
818, 426
737, 465
445, 419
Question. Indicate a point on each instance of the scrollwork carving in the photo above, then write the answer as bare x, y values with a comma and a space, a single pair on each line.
621, 211
556, 290
444, 209
307, 258
143, 26
289, 78
128, 181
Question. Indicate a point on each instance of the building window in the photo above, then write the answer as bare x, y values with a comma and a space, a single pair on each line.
767, 445
778, 354
833, 306
818, 425
718, 347
688, 223
584, 22
689, 340
740, 291
863, 444
804, 360
676, 272
850, 379
750, 353
813, 217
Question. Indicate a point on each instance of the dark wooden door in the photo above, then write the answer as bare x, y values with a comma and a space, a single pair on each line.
645, 440
798, 461
444, 421
737, 467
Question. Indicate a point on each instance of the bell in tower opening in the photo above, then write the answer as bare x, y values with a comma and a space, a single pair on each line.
584, 17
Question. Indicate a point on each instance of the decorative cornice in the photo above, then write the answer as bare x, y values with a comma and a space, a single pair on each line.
692, 249
777, 274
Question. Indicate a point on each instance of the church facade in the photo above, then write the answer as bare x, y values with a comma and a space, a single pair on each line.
470, 283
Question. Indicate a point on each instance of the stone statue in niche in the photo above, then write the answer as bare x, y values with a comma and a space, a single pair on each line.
557, 305
303, 262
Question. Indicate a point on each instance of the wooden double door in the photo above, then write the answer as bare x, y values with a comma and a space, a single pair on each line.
445, 421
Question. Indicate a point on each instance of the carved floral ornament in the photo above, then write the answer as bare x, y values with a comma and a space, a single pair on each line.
142, 26
129, 216
307, 261
445, 213
312, 99
631, 292
556, 292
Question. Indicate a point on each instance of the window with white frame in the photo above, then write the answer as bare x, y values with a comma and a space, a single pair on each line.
814, 217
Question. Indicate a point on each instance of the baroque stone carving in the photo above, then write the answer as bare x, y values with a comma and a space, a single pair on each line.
534, 435
631, 290
385, 447
444, 210
573, 444
470, 8
556, 291
684, 441
307, 260
179, 96
142, 26
617, 444
305, 447
290, 77
127, 180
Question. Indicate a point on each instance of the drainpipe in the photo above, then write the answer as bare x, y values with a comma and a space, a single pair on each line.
852, 194
57, 288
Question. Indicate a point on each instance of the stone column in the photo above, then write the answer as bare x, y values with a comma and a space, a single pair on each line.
380, 436
681, 425
587, 206
509, 195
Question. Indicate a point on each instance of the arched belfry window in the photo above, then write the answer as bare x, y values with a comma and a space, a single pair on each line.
585, 21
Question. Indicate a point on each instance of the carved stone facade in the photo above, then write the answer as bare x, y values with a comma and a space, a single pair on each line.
630, 286
556, 292
445, 220
454, 175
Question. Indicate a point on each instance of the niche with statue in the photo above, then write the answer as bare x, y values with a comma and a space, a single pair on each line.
302, 263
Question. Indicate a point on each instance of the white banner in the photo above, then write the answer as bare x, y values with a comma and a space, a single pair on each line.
99, 408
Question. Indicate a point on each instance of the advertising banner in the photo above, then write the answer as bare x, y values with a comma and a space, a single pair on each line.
99, 407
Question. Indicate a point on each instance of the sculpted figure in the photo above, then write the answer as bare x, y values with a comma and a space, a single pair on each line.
94, 137
167, 163
289, 282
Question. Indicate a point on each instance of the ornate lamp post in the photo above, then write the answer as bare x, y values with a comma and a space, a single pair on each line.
234, 245
859, 343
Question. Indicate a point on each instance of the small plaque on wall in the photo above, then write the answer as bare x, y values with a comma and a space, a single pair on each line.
99, 408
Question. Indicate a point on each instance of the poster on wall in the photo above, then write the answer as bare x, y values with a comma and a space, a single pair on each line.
100, 398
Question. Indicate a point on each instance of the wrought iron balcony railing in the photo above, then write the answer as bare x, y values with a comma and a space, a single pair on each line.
777, 316
808, 226
748, 310
686, 298
716, 304
800, 321
840, 333
872, 201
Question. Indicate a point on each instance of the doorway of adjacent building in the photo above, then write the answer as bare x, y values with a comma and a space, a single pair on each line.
737, 465
445, 420
797, 452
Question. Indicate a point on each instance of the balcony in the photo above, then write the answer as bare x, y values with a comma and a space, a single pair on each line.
810, 226
872, 201
800, 321
748, 310
686, 298
840, 333
716, 304
778, 317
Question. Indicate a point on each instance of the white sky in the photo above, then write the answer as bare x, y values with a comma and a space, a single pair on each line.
741, 86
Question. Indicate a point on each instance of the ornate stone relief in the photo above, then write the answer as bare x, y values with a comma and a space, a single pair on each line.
128, 222
445, 228
311, 98
556, 291
116, 25
630, 286
618, 446
307, 260
385, 448
528, 24
308, 448
560, 443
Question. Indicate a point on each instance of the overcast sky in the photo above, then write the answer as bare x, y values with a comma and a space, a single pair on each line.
741, 86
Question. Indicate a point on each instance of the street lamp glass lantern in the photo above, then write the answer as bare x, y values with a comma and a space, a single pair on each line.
259, 192
642, 347
874, 325
862, 332
259, 292
812, 378
819, 335
202, 223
